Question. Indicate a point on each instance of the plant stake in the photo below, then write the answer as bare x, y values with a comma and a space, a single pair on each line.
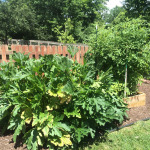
96, 56
125, 92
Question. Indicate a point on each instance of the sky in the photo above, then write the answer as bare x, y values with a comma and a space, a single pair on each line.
113, 3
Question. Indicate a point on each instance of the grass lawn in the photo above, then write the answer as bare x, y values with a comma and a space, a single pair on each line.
135, 137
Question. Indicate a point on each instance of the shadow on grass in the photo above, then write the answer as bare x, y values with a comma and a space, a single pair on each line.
100, 136
88, 142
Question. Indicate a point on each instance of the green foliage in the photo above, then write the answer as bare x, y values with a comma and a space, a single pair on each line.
57, 20
17, 20
120, 18
124, 43
56, 102
72, 50
136, 8
110, 16
65, 36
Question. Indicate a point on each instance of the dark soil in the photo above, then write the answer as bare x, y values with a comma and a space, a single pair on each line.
134, 115
142, 112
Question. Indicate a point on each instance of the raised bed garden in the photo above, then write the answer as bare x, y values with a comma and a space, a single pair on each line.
136, 100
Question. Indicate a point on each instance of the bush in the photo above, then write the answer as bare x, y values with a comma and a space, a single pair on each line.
56, 102
124, 43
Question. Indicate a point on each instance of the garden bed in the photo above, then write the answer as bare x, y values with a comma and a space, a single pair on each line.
138, 113
135, 114
136, 100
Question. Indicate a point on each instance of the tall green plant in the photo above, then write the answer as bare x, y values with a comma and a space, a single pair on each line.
56, 102
65, 36
126, 43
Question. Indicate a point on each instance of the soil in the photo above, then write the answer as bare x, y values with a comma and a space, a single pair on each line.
134, 114
142, 112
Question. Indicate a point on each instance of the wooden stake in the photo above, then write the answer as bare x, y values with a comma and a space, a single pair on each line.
125, 92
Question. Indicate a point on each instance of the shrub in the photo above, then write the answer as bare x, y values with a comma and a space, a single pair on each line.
124, 43
56, 102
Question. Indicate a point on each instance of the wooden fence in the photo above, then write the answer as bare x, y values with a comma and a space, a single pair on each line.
35, 51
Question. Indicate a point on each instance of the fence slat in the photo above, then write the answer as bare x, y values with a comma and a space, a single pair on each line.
64, 51
31, 51
4, 49
13, 47
60, 50
43, 50
49, 50
54, 50
37, 51
78, 55
25, 49
86, 49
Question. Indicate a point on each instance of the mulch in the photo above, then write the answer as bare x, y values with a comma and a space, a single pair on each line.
134, 114
142, 112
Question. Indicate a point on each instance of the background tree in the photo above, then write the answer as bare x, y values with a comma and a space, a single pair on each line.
110, 16
51, 14
6, 21
135, 8
16, 20
37, 19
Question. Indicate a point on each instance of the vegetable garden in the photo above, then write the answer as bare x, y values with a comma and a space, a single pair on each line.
57, 102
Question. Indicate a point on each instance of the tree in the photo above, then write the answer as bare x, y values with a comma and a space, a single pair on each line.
135, 8
16, 20
5, 21
109, 17
126, 43
65, 36
52, 14
24, 19
37, 19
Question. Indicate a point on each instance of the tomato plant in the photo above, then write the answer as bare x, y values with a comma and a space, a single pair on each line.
126, 43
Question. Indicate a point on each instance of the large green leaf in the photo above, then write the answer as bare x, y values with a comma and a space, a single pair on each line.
18, 130
32, 138
4, 110
68, 88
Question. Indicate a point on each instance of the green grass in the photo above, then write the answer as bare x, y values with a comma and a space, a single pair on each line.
135, 137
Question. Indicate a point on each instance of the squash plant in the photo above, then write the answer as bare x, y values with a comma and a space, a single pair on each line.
126, 43
56, 102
